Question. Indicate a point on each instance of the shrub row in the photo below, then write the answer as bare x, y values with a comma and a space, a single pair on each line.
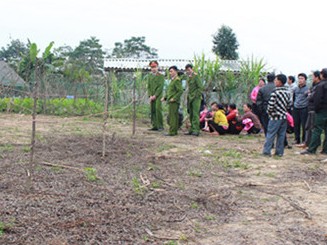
69, 107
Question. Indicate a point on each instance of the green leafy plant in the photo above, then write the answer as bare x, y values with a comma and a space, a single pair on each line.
91, 174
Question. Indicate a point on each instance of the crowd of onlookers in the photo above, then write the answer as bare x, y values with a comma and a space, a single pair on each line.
279, 106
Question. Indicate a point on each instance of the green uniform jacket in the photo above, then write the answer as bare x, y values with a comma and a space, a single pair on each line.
195, 87
174, 90
155, 84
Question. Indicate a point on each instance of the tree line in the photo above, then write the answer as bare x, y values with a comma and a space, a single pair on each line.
74, 68
88, 57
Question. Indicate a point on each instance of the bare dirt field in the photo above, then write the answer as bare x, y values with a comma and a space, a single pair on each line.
152, 189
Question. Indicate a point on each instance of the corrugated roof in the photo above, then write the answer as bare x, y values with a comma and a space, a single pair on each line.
8, 76
133, 64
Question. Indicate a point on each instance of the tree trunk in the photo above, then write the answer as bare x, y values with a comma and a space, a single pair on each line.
34, 113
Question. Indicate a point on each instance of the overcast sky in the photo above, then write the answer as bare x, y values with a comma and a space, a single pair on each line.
291, 36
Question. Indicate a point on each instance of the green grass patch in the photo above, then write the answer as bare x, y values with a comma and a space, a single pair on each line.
155, 184
165, 147
6, 148
194, 205
209, 217
195, 173
171, 242
232, 153
138, 188
270, 175
5, 227
27, 148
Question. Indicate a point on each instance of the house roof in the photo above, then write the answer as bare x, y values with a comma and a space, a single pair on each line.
8, 76
134, 64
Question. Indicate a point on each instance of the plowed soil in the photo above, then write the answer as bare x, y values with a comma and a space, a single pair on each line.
152, 189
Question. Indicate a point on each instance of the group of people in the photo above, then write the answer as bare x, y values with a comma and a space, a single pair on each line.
282, 103
273, 108
156, 80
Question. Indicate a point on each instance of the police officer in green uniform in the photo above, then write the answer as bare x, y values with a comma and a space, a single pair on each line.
173, 97
194, 97
155, 82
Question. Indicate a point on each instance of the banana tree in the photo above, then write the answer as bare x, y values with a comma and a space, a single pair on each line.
33, 68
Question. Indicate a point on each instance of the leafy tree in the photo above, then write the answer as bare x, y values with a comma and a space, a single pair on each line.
89, 55
14, 52
134, 47
225, 43
61, 56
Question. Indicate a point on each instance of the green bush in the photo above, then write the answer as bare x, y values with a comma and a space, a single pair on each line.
71, 107
58, 106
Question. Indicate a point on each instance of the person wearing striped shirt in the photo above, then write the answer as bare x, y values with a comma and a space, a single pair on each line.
278, 104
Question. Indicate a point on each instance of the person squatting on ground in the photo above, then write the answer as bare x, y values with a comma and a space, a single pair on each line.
173, 96
194, 98
320, 122
203, 114
235, 125
155, 83
250, 120
218, 123
300, 110
262, 100
278, 104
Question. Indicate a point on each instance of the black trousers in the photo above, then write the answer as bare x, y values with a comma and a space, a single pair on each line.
309, 127
300, 116
264, 119
215, 127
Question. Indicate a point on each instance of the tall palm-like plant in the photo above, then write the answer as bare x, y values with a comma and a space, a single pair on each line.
208, 71
251, 71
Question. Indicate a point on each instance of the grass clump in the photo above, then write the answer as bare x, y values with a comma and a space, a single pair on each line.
138, 187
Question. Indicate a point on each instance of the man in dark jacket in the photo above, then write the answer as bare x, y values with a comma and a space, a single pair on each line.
320, 123
300, 110
311, 110
262, 100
